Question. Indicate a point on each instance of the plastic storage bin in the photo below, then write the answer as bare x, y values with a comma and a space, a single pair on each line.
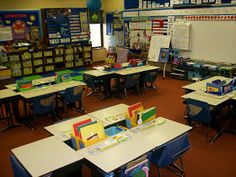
113, 130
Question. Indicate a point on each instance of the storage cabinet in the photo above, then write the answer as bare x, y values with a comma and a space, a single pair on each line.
49, 59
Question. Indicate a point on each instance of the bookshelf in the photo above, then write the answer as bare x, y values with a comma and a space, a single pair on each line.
37, 61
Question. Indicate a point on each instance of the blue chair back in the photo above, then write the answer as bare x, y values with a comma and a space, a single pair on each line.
73, 94
198, 111
43, 104
170, 152
150, 76
132, 80
17, 168
90, 81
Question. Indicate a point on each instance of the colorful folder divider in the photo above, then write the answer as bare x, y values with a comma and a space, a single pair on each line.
86, 133
137, 115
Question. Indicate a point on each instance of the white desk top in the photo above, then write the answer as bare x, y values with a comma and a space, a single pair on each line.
65, 85
127, 71
46, 155
6, 93
62, 130
37, 92
50, 89
213, 100
201, 85
98, 73
138, 69
117, 112
138, 145
43, 80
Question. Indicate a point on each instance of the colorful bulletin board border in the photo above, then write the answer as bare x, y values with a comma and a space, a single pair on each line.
20, 25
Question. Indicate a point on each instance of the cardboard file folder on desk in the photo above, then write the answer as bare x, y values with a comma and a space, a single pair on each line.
90, 133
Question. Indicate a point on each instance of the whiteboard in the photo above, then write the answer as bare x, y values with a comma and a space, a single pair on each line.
157, 42
213, 41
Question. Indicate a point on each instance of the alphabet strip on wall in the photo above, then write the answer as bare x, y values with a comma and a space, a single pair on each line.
211, 18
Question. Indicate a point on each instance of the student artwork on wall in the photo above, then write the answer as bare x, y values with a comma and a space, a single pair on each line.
65, 25
23, 25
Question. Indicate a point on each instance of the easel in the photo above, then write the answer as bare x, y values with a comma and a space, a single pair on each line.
159, 47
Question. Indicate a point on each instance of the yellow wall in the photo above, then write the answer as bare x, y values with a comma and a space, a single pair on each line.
37, 4
107, 5
112, 5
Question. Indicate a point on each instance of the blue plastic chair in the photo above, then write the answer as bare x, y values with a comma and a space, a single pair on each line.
130, 81
93, 83
71, 96
199, 112
43, 104
170, 153
17, 168
149, 77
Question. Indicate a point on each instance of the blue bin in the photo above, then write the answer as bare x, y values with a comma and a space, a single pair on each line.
113, 130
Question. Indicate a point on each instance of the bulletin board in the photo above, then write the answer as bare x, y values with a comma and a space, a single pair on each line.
114, 29
65, 25
23, 25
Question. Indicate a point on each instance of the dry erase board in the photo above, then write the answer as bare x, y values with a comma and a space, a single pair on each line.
213, 41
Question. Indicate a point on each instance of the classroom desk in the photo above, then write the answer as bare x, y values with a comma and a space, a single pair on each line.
111, 115
50, 89
139, 144
201, 85
6, 93
45, 156
44, 80
107, 75
62, 130
98, 73
9, 100
212, 100
138, 69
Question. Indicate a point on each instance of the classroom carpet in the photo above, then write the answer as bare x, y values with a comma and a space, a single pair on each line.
75, 73
202, 160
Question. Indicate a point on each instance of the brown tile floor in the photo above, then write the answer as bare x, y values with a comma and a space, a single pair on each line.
202, 160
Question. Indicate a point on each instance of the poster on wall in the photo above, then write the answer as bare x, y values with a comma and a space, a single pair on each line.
66, 25
24, 25
5, 33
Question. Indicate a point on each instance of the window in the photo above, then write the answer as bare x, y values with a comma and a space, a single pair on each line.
96, 31
96, 35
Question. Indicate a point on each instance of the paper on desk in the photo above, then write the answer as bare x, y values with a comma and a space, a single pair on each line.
108, 143
66, 134
153, 123
116, 118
